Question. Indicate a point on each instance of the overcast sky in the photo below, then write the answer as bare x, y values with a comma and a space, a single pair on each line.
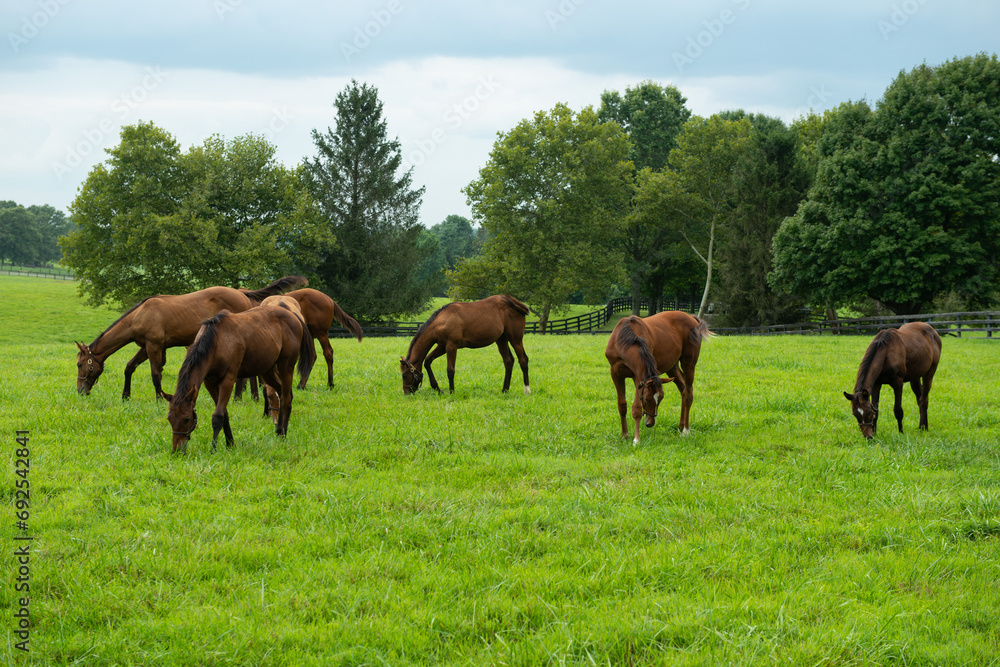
450, 74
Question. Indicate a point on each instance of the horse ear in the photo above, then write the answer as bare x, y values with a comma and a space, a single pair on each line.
666, 380
865, 395
83, 348
848, 396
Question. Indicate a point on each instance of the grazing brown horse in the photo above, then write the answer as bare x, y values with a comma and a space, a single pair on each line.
643, 347
161, 322
496, 319
908, 354
319, 311
264, 341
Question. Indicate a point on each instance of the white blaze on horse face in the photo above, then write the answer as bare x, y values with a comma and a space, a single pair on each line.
861, 413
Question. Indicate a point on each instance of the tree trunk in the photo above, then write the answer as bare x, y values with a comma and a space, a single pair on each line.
543, 319
708, 277
636, 293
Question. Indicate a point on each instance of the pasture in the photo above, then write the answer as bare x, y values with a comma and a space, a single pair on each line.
481, 528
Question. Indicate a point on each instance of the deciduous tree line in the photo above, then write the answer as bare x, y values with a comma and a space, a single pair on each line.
894, 204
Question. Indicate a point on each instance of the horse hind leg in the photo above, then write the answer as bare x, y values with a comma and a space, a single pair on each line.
685, 388
522, 360
508, 362
922, 391
130, 367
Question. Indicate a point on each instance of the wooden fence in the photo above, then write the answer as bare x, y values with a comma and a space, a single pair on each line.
980, 323
37, 272
954, 324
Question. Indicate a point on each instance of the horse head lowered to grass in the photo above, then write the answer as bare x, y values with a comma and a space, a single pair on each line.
908, 354
265, 341
643, 348
496, 319
161, 322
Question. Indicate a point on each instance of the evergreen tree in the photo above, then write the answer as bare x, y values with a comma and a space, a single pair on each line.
372, 211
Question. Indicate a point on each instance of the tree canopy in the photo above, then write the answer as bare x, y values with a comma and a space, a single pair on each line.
153, 220
552, 198
904, 206
652, 116
372, 210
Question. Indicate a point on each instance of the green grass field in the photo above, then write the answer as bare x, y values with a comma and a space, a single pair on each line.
481, 528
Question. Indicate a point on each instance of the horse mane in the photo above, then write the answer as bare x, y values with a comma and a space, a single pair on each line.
279, 286
198, 352
423, 327
882, 339
627, 338
515, 304
113, 324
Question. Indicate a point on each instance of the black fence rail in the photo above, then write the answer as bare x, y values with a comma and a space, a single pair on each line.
587, 323
977, 323
36, 272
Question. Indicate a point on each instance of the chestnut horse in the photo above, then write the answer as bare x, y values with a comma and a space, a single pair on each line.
161, 322
319, 311
908, 354
642, 348
496, 319
264, 341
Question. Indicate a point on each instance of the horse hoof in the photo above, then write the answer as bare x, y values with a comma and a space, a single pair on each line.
686, 432
527, 390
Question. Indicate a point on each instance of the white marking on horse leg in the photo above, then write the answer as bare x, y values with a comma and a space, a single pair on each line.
686, 431
635, 441
527, 390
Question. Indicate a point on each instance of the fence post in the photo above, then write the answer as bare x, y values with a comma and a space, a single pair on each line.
989, 325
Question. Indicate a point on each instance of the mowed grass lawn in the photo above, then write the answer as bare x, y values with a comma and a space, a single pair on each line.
481, 528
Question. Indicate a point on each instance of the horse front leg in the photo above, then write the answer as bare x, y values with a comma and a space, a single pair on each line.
130, 367
221, 394
434, 354
636, 412
157, 360
452, 353
897, 408
875, 395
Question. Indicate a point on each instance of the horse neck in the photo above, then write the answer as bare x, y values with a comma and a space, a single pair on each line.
867, 376
419, 348
114, 338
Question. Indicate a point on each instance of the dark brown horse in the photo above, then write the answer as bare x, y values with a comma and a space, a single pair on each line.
908, 354
496, 319
161, 322
319, 312
642, 348
264, 341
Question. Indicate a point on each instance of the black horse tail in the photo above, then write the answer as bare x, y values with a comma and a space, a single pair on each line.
347, 322
279, 286
516, 305
307, 351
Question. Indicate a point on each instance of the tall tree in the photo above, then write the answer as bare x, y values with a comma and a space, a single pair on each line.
904, 207
452, 239
652, 116
20, 238
697, 198
551, 197
770, 177
372, 209
151, 220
